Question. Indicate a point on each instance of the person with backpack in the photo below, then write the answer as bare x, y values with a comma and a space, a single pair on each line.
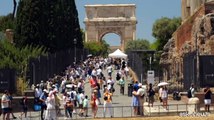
43, 98
73, 97
10, 105
151, 94
191, 91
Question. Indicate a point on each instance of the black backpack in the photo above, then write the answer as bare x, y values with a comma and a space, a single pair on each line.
189, 94
21, 101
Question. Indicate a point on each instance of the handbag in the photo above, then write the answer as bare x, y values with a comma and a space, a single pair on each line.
92, 102
105, 98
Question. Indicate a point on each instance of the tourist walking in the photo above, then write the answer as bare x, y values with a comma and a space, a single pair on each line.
43, 98
122, 85
107, 102
151, 94
69, 108
51, 110
159, 93
164, 97
10, 105
135, 101
207, 99
85, 106
5, 105
24, 107
94, 103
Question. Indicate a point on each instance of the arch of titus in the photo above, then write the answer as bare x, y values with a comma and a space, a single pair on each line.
110, 18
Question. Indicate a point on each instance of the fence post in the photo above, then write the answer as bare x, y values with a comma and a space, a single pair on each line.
122, 111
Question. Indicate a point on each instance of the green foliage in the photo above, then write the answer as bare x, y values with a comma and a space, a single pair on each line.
97, 48
163, 29
139, 44
53, 24
155, 45
16, 58
7, 22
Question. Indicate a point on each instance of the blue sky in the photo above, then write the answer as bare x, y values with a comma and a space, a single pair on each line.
147, 11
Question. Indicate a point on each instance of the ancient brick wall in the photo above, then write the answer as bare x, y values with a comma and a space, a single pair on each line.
184, 32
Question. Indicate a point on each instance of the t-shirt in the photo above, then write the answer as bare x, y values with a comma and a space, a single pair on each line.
109, 69
4, 104
121, 82
93, 83
81, 98
208, 94
141, 92
85, 103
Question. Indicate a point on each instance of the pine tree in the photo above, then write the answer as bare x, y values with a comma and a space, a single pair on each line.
50, 23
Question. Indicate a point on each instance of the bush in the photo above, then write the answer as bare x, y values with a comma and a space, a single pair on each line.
21, 86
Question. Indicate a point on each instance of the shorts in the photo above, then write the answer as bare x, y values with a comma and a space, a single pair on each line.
5, 110
80, 106
24, 109
207, 101
151, 98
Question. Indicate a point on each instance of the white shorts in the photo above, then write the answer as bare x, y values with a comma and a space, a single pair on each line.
207, 101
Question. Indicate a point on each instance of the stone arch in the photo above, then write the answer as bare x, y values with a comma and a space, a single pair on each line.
110, 18
119, 33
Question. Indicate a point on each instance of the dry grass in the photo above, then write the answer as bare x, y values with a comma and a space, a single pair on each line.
133, 75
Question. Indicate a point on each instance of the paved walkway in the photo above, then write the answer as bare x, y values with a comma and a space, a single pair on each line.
121, 105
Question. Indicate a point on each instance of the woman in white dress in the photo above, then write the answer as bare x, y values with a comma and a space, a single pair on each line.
164, 97
51, 110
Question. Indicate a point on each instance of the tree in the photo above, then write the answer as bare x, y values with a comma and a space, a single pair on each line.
97, 48
163, 29
139, 44
53, 24
16, 58
7, 22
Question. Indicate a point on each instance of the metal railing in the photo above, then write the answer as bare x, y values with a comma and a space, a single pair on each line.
127, 111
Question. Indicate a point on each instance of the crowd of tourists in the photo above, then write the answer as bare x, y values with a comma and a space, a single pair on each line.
65, 95
68, 90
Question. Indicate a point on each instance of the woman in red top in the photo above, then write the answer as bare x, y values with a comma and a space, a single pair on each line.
94, 103
93, 83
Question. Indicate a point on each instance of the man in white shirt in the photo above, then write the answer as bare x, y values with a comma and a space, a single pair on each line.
5, 105
109, 70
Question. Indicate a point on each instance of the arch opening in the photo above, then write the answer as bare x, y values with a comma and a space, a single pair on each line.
113, 39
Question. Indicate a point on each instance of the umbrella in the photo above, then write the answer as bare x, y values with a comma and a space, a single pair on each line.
163, 83
69, 86
89, 55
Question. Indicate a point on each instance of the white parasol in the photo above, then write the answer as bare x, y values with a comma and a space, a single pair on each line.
163, 84
69, 86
